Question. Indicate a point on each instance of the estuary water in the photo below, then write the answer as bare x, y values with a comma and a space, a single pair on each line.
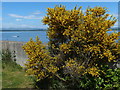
24, 36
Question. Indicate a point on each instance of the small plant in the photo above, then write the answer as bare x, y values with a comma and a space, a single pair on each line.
9, 58
6, 55
110, 80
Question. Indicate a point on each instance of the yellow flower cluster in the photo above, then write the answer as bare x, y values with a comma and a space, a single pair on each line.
109, 55
40, 63
94, 71
93, 48
86, 34
97, 11
78, 41
73, 67
65, 48
59, 18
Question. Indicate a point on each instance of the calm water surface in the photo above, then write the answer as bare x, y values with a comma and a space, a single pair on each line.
24, 36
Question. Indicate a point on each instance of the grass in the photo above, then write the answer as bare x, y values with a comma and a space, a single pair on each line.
13, 75
0, 74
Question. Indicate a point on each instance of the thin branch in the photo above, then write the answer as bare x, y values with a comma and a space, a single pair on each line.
62, 79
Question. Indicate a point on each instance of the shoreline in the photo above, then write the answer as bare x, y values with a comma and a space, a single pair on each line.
12, 41
18, 41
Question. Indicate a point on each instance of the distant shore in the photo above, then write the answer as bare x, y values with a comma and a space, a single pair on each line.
9, 30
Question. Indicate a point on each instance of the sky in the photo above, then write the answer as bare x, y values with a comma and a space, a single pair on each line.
60, 0
30, 14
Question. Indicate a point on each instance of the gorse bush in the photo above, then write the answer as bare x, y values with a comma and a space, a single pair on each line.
79, 45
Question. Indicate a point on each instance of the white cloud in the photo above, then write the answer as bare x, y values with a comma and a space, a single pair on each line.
15, 15
37, 12
26, 26
18, 19
115, 15
1, 19
25, 17
13, 25
116, 24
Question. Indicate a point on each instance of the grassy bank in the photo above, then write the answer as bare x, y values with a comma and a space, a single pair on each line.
0, 74
13, 75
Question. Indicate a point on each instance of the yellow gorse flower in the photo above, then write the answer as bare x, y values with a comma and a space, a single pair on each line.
78, 42
93, 71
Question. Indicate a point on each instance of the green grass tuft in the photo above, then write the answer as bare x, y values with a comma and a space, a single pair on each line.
13, 75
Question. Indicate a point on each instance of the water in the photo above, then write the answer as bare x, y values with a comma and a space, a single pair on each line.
24, 36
